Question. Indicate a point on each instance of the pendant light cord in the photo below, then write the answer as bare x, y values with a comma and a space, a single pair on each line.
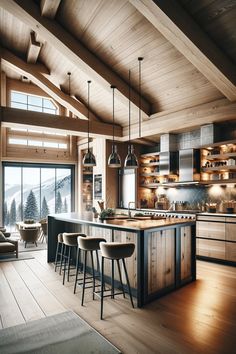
89, 82
113, 115
139, 88
69, 74
129, 104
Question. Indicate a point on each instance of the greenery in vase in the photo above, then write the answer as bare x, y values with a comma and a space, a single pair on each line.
106, 213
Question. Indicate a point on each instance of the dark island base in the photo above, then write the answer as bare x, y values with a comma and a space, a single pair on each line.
164, 257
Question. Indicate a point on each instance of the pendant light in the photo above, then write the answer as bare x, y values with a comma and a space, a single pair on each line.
114, 158
131, 160
89, 158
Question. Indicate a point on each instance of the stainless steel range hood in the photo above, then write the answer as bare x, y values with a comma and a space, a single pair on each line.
169, 162
189, 165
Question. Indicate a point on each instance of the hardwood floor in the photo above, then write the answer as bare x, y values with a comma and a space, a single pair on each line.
199, 318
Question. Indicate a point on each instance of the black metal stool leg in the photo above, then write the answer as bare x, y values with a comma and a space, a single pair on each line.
127, 279
122, 286
98, 265
91, 253
85, 264
112, 279
68, 264
56, 257
62, 257
102, 288
64, 265
77, 268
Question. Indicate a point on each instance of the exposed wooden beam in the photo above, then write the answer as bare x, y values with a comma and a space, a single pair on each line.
3, 89
34, 48
12, 117
190, 118
49, 8
46, 85
73, 50
179, 28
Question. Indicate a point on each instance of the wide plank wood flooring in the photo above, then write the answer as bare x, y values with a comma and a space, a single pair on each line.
199, 318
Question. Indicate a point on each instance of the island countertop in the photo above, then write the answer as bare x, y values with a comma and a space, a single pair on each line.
135, 225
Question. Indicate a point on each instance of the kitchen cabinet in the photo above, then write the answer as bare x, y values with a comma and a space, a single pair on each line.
216, 238
186, 253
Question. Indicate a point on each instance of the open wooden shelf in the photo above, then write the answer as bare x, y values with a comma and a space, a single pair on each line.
154, 174
220, 181
150, 154
219, 168
220, 156
149, 164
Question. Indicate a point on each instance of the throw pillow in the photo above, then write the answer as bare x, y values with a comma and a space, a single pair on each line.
2, 237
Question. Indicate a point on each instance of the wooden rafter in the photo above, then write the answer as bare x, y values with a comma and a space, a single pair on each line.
18, 65
169, 18
13, 117
34, 48
73, 50
189, 118
49, 8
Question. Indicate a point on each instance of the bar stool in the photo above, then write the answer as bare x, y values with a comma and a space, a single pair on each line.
116, 251
70, 242
59, 252
88, 244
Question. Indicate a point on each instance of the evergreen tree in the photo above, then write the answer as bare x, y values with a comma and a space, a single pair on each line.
45, 209
65, 207
19, 212
58, 202
31, 208
12, 217
5, 214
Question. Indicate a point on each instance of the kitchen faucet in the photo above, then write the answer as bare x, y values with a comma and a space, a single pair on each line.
129, 212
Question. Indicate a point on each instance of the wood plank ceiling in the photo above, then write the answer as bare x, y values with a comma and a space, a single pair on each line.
117, 34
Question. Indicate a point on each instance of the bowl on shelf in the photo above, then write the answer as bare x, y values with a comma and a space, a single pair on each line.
230, 210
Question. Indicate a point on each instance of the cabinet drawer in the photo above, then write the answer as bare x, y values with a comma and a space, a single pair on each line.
230, 251
211, 218
215, 230
230, 232
233, 220
211, 248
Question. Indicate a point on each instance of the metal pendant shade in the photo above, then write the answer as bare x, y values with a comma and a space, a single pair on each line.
114, 158
89, 158
131, 160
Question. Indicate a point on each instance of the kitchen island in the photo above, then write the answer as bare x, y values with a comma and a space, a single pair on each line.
165, 249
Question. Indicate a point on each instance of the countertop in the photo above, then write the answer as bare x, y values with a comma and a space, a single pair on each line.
136, 225
233, 215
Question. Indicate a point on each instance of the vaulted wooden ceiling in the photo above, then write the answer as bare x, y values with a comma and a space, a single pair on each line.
102, 39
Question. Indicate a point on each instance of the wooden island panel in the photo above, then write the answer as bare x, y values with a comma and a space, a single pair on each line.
161, 260
186, 252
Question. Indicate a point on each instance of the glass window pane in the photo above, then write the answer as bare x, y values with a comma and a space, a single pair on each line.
17, 141
62, 146
31, 192
48, 104
63, 190
35, 143
34, 108
47, 191
12, 197
19, 105
18, 97
48, 110
50, 144
35, 101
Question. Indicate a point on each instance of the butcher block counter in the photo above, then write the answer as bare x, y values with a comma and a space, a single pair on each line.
165, 250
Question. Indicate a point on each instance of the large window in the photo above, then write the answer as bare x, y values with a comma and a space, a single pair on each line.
33, 103
34, 191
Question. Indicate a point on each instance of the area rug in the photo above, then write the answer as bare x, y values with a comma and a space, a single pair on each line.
64, 333
21, 257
